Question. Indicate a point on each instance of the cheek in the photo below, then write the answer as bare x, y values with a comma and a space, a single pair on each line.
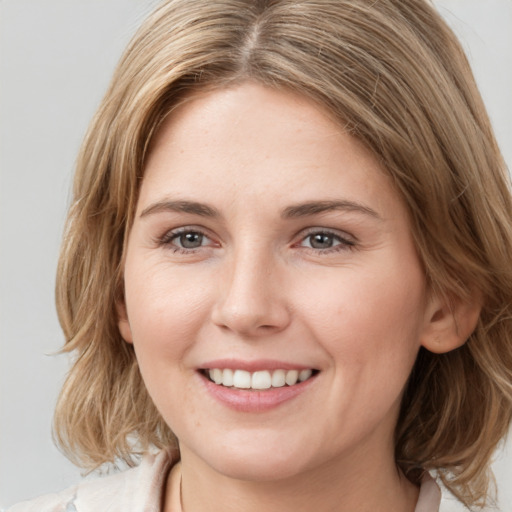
166, 312
166, 309
373, 319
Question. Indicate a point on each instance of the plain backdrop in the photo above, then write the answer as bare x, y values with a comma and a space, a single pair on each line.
56, 59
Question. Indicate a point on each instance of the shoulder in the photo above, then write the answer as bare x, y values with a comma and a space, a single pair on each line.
56, 502
434, 497
451, 504
138, 488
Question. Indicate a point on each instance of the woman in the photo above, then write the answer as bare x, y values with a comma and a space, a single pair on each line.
287, 265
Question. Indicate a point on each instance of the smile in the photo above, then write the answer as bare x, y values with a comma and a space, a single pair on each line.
264, 379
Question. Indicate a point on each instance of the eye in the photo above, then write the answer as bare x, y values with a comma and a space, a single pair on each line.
322, 240
189, 240
185, 240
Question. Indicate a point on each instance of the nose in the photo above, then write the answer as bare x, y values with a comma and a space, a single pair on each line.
251, 297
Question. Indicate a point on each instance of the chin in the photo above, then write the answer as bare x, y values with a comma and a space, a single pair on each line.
263, 469
256, 463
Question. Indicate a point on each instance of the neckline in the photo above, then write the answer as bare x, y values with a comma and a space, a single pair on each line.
429, 499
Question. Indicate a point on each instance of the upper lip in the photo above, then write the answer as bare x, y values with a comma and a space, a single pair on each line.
253, 365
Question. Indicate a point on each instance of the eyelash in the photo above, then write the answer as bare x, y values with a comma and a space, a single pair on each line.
344, 243
169, 237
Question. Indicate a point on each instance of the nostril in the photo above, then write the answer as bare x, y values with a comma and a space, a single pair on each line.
249, 307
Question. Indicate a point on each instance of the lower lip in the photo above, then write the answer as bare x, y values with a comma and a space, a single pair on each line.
255, 401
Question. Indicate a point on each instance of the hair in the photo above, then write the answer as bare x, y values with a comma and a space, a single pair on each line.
393, 74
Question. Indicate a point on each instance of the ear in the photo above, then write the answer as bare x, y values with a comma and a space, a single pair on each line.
449, 322
122, 321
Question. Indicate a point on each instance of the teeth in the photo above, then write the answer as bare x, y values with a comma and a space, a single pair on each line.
304, 375
227, 377
241, 379
261, 380
278, 378
291, 377
216, 375
258, 380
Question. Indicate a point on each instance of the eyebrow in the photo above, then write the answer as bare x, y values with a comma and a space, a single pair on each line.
316, 207
291, 212
181, 207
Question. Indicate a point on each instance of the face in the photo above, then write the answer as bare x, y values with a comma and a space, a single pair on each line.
274, 296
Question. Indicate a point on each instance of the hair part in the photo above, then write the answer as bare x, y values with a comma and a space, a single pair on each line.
391, 73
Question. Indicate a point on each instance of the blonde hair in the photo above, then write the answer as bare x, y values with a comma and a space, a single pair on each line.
393, 74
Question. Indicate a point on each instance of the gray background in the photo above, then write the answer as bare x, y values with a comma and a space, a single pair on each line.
56, 58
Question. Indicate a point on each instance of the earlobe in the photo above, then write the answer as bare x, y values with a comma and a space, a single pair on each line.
449, 323
122, 322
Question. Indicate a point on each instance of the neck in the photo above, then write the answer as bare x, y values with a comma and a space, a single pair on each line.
375, 487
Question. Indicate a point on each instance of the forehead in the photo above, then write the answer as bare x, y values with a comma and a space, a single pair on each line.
251, 142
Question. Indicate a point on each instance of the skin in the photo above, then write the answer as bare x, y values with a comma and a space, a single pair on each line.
258, 287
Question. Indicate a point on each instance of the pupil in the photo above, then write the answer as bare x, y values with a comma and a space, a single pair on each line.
191, 240
321, 241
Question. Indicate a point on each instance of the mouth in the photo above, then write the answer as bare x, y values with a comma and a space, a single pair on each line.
258, 380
